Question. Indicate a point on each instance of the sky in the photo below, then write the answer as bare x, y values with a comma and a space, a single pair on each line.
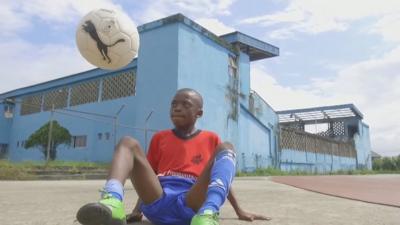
331, 52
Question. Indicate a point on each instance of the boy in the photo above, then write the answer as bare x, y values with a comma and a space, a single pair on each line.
184, 180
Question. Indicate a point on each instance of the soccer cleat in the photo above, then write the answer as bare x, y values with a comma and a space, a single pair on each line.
108, 211
206, 218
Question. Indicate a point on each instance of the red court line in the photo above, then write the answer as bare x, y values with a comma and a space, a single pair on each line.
378, 189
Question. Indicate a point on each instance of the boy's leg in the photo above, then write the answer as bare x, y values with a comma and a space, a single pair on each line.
129, 161
217, 175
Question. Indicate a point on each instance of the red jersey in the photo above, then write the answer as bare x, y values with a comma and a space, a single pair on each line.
169, 154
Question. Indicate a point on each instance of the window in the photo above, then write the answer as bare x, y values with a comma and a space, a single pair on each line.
58, 98
17, 144
118, 86
8, 111
3, 151
79, 141
86, 92
107, 134
100, 136
31, 104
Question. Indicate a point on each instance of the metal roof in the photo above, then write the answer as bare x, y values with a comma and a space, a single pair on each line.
320, 114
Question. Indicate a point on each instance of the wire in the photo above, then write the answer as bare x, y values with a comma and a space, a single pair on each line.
87, 118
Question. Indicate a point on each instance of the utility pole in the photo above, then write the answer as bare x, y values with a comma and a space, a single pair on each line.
50, 133
116, 123
145, 131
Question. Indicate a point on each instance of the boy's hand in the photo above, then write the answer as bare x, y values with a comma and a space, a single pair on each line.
243, 215
135, 216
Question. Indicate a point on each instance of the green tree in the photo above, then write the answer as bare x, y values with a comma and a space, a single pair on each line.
377, 164
40, 138
397, 159
388, 163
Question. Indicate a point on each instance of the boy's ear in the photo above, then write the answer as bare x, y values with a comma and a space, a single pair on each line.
199, 113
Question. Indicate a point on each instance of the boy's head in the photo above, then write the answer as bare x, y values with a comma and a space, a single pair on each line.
186, 108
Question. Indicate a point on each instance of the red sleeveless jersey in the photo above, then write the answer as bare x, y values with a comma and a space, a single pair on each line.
172, 155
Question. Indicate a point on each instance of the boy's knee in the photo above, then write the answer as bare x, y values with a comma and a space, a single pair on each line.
226, 150
226, 146
129, 142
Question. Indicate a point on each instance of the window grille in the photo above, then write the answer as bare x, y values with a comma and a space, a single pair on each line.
107, 136
86, 92
119, 86
338, 128
57, 97
3, 151
79, 141
31, 104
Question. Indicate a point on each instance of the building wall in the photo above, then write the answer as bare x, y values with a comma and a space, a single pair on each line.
256, 143
363, 146
203, 66
77, 124
5, 125
295, 160
157, 75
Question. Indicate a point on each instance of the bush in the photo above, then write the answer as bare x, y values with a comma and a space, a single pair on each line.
388, 163
397, 162
377, 164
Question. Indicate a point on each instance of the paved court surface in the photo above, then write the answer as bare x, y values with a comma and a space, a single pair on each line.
55, 203
380, 189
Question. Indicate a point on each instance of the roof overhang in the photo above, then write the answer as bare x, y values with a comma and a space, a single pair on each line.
255, 48
320, 114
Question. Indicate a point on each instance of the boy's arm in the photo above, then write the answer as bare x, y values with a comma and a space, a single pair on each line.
243, 215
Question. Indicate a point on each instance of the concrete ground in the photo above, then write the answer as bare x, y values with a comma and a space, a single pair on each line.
56, 202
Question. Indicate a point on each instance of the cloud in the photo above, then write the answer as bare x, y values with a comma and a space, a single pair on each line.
12, 20
372, 85
196, 9
389, 27
317, 16
215, 26
205, 6
18, 15
49, 61
278, 96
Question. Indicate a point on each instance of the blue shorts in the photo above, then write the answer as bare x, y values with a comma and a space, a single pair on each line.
171, 208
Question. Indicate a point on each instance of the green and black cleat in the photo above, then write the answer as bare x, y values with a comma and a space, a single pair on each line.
108, 211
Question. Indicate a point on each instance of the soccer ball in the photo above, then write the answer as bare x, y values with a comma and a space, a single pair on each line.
107, 39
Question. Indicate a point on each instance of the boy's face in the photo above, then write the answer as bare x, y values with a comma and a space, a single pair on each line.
185, 109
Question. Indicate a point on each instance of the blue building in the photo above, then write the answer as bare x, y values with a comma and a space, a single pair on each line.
98, 107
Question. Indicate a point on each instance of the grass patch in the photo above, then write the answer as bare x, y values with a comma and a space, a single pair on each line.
276, 172
26, 170
52, 164
271, 172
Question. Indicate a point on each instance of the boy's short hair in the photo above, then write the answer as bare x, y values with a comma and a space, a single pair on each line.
196, 93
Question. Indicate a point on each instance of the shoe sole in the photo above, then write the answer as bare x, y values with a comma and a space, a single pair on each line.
97, 214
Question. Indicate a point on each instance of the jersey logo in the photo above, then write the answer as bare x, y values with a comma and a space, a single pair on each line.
197, 159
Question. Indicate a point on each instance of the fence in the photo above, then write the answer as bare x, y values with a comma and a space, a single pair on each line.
302, 141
